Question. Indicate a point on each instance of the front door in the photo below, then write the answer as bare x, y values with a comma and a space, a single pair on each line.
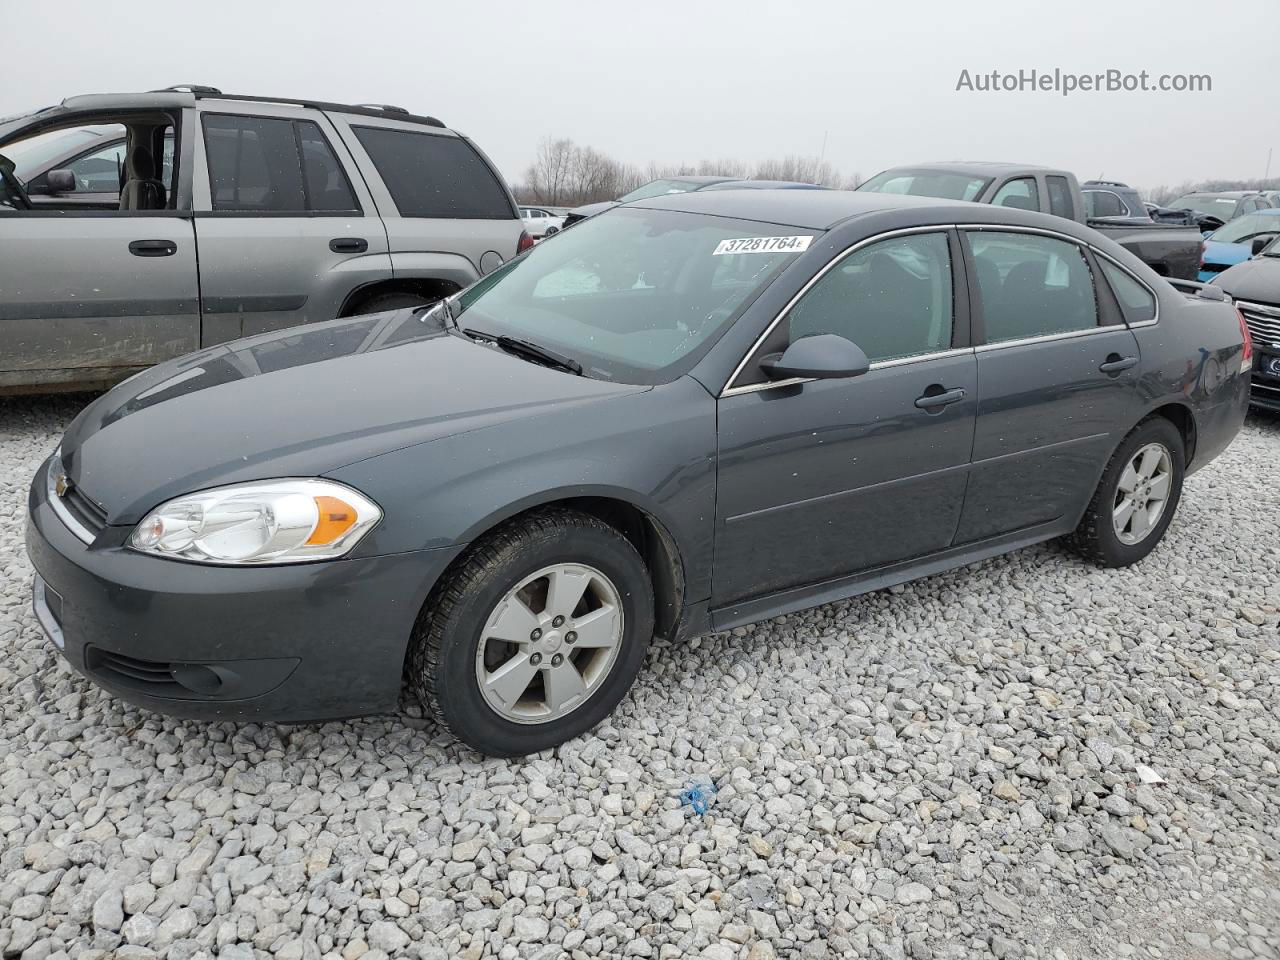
285, 235
89, 296
826, 478
1057, 381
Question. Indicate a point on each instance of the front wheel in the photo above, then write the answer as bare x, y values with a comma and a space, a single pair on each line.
551, 232
1136, 497
537, 634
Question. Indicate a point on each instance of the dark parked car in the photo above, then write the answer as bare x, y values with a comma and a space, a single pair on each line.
1255, 286
1169, 250
273, 212
684, 415
1226, 205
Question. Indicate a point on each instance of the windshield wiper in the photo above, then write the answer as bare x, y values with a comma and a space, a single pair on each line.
528, 350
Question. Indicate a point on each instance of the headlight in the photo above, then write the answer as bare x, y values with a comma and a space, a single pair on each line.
270, 521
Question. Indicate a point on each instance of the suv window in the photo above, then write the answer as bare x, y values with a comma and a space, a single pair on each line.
1031, 285
429, 175
892, 298
1020, 193
99, 172
270, 165
1136, 302
1059, 196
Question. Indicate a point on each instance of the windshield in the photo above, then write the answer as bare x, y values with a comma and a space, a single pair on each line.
927, 183
657, 188
633, 295
1222, 207
1242, 228
30, 156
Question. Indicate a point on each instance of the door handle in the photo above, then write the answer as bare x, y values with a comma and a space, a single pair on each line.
1115, 363
348, 244
936, 401
153, 248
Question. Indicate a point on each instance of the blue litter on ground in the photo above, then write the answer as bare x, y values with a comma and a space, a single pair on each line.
698, 795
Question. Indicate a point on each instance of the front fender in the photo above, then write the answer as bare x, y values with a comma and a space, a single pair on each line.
653, 449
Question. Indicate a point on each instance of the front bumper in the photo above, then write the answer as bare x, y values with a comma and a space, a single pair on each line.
300, 642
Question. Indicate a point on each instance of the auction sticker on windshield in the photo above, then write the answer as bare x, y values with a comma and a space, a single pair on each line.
762, 245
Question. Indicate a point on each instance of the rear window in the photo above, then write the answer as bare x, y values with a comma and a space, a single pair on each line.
435, 176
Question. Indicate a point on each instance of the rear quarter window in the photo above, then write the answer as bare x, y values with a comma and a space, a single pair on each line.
429, 175
1136, 301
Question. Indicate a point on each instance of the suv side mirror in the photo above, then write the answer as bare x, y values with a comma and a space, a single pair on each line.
823, 356
60, 181
1260, 243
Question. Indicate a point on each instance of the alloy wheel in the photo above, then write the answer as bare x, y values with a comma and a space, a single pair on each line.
549, 643
1142, 493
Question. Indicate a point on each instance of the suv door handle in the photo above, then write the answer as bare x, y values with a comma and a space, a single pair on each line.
936, 401
1115, 363
153, 248
348, 244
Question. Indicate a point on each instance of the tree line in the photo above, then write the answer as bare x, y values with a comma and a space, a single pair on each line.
567, 174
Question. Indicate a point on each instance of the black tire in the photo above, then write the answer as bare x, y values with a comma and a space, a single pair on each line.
442, 660
391, 301
1095, 538
551, 232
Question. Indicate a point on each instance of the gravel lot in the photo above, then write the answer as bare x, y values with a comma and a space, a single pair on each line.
956, 768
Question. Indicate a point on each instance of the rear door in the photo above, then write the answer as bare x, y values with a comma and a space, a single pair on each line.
447, 212
1058, 373
286, 231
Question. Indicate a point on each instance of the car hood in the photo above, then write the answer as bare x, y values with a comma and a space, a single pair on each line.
1257, 280
1216, 251
300, 403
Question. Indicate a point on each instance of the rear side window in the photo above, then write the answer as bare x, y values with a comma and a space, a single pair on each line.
1032, 285
434, 176
1103, 203
1059, 196
1136, 302
1020, 194
892, 298
269, 165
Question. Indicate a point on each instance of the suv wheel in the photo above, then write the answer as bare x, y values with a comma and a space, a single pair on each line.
1136, 498
536, 636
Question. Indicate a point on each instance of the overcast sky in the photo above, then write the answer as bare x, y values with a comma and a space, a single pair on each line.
684, 81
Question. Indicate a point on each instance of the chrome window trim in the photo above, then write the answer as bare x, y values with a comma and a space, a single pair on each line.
732, 389
735, 390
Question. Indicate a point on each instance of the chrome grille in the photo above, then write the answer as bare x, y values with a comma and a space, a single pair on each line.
1263, 322
90, 515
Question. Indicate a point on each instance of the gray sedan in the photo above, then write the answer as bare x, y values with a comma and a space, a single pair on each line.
684, 415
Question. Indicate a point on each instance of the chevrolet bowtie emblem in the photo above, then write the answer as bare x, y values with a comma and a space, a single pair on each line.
61, 485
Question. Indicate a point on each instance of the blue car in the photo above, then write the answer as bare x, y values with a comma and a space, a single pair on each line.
1232, 243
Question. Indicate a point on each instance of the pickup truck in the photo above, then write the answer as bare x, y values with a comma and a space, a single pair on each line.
139, 227
1171, 251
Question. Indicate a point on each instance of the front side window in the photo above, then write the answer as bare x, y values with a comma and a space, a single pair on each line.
270, 165
1246, 228
434, 175
1136, 302
1059, 196
1021, 194
100, 171
892, 298
1031, 285
634, 295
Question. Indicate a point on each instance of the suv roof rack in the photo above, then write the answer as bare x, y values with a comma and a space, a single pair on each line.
189, 88
363, 109
1106, 183
388, 107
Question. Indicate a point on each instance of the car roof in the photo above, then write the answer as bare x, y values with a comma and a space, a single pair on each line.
763, 185
811, 209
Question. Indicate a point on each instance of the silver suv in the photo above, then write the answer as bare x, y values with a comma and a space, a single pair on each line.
230, 216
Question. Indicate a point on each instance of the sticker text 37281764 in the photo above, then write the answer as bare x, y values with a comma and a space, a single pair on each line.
762, 245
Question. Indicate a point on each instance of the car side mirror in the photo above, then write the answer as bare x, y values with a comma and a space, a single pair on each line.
60, 181
823, 356
1260, 243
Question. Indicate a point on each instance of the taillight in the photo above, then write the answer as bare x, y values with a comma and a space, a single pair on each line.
525, 242
1246, 358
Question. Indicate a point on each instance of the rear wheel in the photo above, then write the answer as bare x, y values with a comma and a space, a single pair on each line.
551, 231
1136, 497
537, 634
